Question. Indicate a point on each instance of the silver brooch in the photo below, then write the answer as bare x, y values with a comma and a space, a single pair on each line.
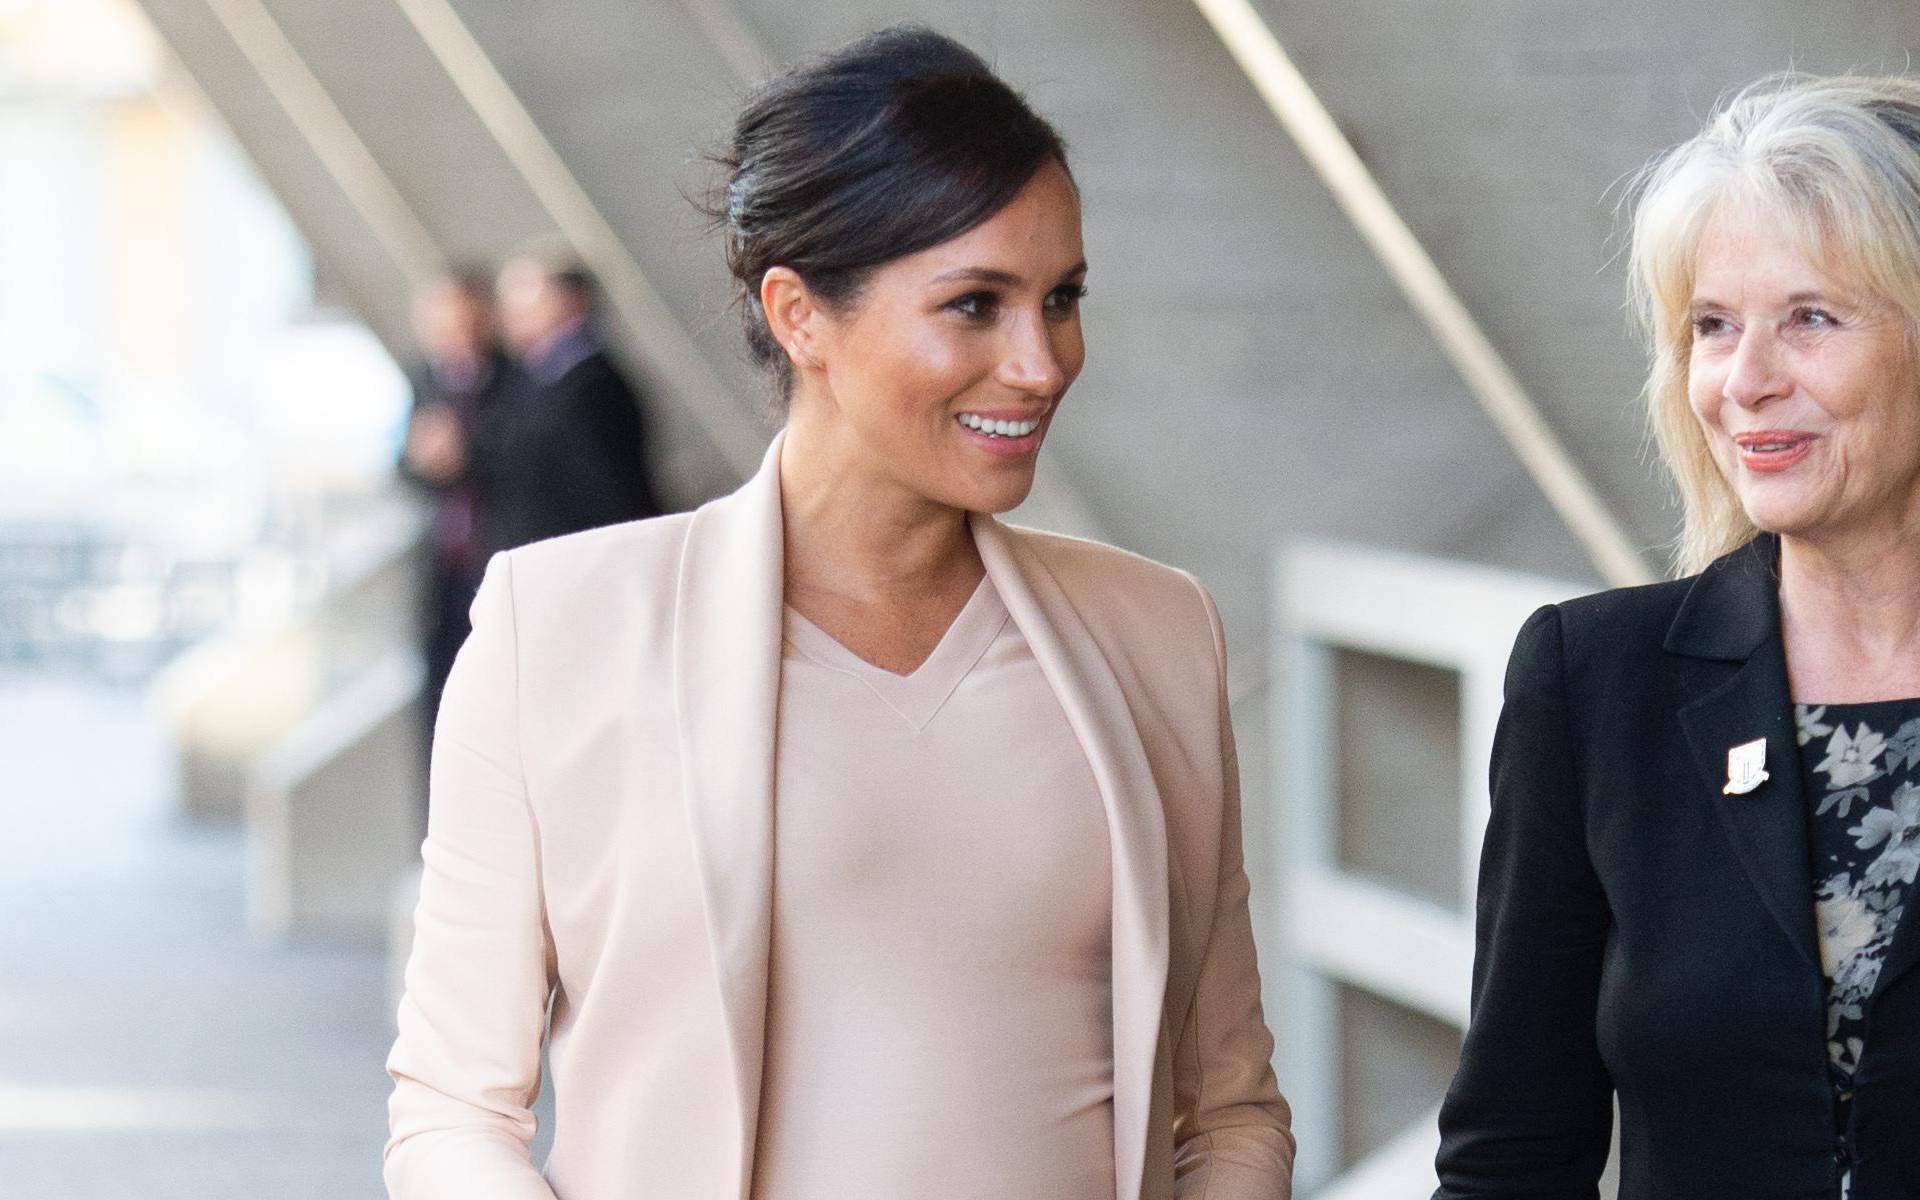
1746, 767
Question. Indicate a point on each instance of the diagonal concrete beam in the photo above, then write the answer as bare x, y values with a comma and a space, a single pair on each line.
308, 104
729, 33
1293, 102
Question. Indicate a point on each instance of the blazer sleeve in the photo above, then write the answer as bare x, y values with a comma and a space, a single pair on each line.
466, 1063
1232, 1129
1530, 1112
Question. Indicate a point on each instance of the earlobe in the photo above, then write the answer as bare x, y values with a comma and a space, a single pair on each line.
792, 314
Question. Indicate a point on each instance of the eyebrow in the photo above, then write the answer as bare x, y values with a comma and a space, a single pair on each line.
997, 277
1707, 302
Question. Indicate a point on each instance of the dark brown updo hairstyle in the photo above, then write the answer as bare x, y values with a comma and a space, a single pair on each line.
897, 142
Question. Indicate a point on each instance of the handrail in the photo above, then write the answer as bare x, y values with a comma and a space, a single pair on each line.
1293, 102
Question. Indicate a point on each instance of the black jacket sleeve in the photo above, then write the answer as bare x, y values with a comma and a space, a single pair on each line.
597, 443
1530, 1111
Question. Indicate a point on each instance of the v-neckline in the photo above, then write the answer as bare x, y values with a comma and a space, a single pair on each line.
919, 695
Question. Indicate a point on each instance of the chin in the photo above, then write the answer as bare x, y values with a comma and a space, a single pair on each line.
1785, 520
999, 497
1781, 505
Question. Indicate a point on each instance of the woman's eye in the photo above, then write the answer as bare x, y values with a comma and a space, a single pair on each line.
978, 306
1066, 298
1808, 315
1708, 325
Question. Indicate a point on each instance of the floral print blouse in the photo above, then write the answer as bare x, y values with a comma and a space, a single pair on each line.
1861, 763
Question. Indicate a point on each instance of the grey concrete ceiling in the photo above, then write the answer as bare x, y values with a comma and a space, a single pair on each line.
1253, 372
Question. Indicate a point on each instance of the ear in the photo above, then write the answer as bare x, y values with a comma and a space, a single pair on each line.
794, 315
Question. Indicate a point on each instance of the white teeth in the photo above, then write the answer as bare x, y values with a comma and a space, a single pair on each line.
993, 428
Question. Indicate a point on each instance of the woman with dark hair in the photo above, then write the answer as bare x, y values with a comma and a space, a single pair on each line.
838, 839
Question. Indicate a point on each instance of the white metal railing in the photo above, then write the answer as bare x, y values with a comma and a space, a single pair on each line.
228, 699
335, 810
1400, 1170
1330, 925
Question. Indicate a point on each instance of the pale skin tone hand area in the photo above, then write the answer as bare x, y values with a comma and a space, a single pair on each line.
1807, 389
435, 449
882, 463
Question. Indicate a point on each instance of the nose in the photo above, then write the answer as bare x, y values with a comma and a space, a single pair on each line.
1032, 362
1755, 375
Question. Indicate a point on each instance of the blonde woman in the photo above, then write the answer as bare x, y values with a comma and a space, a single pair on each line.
1698, 893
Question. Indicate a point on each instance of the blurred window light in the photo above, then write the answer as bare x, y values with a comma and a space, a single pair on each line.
92, 48
331, 405
75, 48
179, 424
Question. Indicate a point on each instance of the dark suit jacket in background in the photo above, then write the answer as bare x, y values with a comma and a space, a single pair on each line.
561, 457
1639, 931
458, 558
497, 382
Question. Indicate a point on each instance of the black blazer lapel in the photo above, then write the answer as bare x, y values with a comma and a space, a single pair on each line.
1732, 614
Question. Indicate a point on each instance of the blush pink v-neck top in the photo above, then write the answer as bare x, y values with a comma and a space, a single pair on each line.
940, 1012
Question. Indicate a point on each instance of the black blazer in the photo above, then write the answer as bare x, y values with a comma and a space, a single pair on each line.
1644, 935
561, 457
499, 382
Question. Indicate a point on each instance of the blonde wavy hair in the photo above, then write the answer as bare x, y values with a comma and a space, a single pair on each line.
1836, 162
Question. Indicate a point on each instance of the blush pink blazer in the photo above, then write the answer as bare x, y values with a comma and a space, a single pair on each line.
598, 866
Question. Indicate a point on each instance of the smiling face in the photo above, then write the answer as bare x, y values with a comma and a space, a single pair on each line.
943, 375
1805, 386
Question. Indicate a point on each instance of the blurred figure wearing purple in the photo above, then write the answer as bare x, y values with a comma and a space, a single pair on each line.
463, 378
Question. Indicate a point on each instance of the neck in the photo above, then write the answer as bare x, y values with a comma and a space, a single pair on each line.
855, 533
1854, 601
550, 342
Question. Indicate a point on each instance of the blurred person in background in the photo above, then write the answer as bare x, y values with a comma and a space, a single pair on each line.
463, 378
837, 839
1697, 896
568, 451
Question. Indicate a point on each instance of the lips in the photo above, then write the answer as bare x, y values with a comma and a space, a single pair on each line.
1769, 450
1005, 433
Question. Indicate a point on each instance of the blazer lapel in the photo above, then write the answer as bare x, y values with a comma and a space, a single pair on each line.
1097, 710
726, 664
1733, 614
